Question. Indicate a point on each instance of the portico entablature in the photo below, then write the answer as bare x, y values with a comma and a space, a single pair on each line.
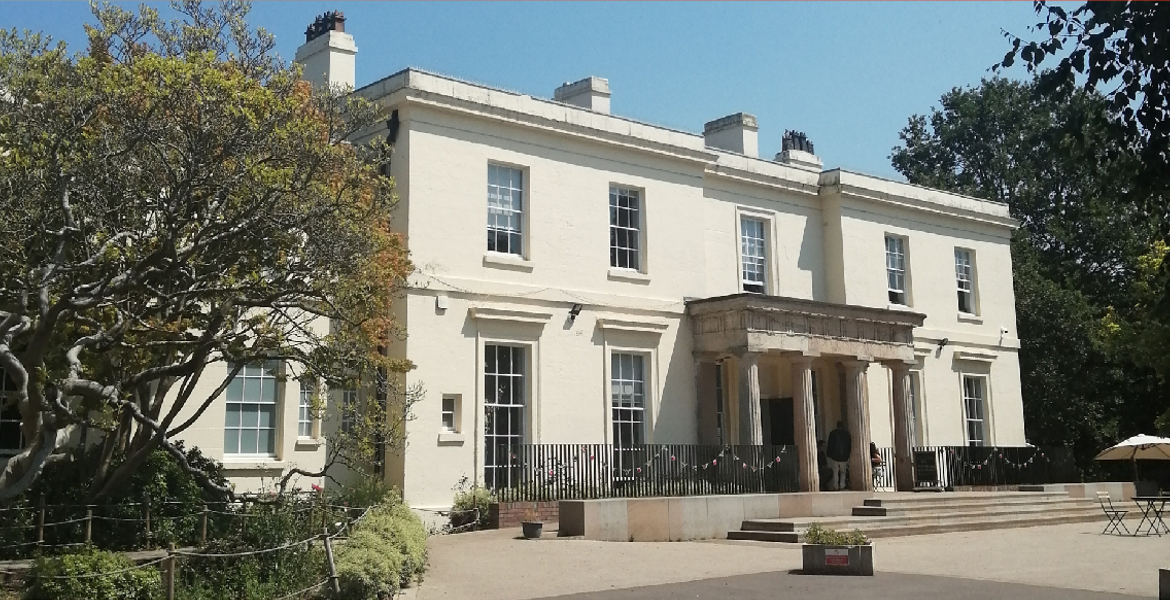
755, 323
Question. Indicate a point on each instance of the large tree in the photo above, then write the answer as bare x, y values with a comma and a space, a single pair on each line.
1050, 155
174, 199
1121, 49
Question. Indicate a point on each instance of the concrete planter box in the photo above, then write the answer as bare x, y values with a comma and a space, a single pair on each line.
837, 560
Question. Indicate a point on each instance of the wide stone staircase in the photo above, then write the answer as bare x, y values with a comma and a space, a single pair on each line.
901, 514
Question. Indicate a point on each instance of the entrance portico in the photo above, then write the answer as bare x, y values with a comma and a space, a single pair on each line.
791, 341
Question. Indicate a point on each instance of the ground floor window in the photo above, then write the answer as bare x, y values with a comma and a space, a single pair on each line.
975, 408
504, 401
305, 409
250, 421
916, 411
628, 400
349, 407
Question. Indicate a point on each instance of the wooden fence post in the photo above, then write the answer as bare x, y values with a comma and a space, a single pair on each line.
336, 585
41, 522
170, 571
88, 524
203, 534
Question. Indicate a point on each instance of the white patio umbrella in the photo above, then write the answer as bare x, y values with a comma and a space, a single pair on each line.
1138, 447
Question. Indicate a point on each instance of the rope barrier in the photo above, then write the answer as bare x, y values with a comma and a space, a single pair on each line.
102, 574
308, 589
249, 553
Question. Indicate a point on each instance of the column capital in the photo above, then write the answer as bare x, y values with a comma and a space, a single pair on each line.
801, 359
748, 355
857, 365
899, 365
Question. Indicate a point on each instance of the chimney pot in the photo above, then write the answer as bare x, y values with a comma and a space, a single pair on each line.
797, 150
327, 55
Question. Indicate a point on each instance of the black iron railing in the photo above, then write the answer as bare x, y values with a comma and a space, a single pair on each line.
542, 472
999, 466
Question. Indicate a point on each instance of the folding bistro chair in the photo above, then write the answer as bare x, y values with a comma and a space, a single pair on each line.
1115, 515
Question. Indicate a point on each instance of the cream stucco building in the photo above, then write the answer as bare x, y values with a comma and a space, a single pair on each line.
587, 278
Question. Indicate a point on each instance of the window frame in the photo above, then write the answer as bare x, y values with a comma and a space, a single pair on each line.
904, 270
521, 213
639, 248
972, 282
270, 370
720, 403
625, 451
306, 409
764, 257
347, 407
984, 417
492, 467
456, 413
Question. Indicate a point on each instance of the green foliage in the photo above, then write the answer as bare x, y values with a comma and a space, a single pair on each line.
386, 552
1051, 154
467, 501
817, 534
365, 491
137, 584
254, 577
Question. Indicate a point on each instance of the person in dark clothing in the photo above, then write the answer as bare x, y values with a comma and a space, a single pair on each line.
823, 469
839, 450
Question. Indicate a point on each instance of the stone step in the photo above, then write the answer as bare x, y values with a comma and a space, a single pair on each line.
790, 537
950, 499
777, 530
922, 515
969, 508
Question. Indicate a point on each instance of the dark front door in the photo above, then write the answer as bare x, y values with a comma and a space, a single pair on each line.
780, 423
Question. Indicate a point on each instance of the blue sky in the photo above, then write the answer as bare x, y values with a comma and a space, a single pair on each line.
847, 74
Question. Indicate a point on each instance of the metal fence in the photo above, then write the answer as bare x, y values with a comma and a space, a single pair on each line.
1000, 466
541, 472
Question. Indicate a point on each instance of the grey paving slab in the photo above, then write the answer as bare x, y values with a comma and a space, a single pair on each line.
883, 586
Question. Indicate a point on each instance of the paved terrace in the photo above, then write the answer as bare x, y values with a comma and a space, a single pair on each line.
1067, 562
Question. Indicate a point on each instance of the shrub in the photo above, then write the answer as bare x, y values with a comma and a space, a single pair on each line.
138, 584
365, 491
255, 577
466, 502
817, 534
386, 552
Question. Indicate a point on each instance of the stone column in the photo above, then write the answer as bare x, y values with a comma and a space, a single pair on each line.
903, 427
751, 430
804, 414
860, 473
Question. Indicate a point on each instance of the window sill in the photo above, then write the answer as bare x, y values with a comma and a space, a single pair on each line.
450, 438
970, 318
308, 443
629, 275
899, 307
244, 463
499, 260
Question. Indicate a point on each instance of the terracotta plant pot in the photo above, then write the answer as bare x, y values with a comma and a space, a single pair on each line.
532, 529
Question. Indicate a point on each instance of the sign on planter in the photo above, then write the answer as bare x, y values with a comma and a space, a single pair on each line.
836, 557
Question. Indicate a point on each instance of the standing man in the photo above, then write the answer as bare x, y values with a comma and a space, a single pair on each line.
840, 447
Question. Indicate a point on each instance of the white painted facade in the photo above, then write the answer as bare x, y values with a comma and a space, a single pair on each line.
825, 241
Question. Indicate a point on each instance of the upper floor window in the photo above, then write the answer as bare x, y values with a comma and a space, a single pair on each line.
11, 436
896, 269
625, 228
965, 280
975, 408
505, 210
754, 254
250, 421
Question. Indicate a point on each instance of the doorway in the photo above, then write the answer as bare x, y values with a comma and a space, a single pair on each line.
781, 426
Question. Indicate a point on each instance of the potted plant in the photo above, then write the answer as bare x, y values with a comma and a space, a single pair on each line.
532, 525
829, 552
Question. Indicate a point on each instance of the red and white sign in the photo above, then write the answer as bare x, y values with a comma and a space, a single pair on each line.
836, 557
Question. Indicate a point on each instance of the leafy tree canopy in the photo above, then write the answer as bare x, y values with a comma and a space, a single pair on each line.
1050, 155
171, 199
